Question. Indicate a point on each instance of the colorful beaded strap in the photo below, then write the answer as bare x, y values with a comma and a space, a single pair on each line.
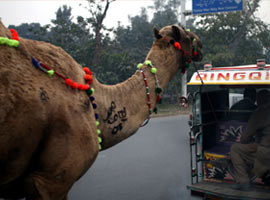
74, 85
158, 89
14, 42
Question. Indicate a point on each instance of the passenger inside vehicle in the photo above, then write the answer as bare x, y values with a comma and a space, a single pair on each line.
242, 109
250, 157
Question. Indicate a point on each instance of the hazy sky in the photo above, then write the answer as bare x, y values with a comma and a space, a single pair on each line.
42, 11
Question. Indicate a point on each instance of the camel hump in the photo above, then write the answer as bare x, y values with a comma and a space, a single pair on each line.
4, 32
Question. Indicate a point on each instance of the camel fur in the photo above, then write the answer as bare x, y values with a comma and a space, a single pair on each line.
48, 132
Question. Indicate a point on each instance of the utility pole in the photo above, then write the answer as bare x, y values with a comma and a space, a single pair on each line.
183, 23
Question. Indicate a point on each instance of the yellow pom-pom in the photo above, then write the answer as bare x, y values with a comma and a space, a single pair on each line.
16, 43
97, 123
153, 70
139, 66
188, 30
98, 131
148, 63
12, 43
99, 139
93, 90
3, 40
50, 73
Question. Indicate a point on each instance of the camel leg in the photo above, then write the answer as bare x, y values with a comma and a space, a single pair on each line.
68, 153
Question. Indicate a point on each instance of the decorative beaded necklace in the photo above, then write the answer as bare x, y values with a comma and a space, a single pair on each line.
82, 87
187, 59
158, 89
14, 42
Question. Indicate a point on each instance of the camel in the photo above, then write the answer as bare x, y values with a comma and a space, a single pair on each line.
50, 132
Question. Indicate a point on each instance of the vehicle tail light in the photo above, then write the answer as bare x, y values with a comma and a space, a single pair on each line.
261, 63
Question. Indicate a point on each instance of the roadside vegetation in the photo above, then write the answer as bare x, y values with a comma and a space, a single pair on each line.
236, 38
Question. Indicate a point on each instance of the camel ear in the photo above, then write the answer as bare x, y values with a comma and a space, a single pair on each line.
176, 33
156, 33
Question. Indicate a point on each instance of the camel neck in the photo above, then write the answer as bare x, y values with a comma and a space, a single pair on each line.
123, 107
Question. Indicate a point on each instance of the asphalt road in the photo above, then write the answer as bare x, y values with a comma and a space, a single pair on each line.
153, 164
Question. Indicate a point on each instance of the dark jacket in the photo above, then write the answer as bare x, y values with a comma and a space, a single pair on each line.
242, 110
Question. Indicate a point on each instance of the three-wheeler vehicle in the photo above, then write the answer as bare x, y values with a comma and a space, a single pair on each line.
212, 131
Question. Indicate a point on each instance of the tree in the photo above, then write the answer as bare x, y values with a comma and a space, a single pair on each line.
98, 13
72, 37
236, 38
166, 12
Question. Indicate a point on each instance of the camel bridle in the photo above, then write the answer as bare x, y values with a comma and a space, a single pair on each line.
187, 56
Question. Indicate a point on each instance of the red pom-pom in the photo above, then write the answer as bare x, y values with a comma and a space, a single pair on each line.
68, 82
81, 87
15, 38
87, 77
14, 34
75, 85
195, 53
90, 81
86, 70
158, 98
177, 45
86, 87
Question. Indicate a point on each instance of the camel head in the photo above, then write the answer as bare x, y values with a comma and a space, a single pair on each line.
185, 43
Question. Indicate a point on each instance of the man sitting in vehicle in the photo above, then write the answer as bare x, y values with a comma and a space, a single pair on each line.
242, 110
252, 153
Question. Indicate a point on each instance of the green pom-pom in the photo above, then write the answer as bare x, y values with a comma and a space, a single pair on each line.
147, 90
98, 131
186, 65
9, 43
148, 63
16, 43
150, 112
153, 70
158, 90
99, 139
97, 123
12, 43
50, 73
3, 40
99, 146
188, 30
89, 92
139, 66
